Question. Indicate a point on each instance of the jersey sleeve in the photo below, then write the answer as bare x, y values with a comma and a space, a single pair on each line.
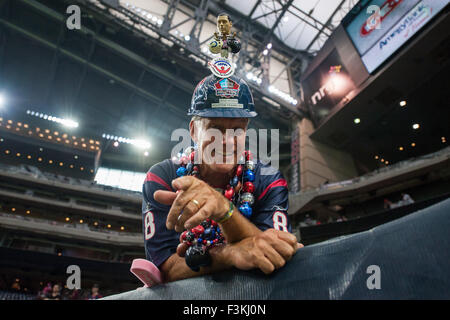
160, 243
272, 203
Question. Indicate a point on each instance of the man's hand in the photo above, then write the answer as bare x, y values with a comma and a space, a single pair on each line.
185, 213
267, 251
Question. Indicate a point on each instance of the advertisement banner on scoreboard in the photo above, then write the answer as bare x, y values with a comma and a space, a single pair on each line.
326, 86
395, 37
373, 20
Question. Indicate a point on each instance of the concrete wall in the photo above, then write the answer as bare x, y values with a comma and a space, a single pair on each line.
320, 163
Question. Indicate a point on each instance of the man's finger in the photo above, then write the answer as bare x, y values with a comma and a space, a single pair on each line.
188, 211
165, 197
181, 249
299, 245
289, 238
274, 257
265, 265
199, 216
177, 207
183, 183
284, 249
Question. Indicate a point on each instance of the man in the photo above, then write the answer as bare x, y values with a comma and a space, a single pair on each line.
173, 204
55, 294
95, 294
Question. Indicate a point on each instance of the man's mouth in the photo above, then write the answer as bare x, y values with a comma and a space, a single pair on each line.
221, 154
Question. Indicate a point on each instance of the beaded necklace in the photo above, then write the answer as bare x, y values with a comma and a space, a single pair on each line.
208, 234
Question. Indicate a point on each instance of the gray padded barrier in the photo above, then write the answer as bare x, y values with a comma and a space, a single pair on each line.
413, 254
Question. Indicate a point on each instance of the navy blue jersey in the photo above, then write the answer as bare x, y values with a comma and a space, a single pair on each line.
269, 210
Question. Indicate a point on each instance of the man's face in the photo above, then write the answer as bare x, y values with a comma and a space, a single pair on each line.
221, 150
224, 25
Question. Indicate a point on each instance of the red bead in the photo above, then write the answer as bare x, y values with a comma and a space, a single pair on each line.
248, 155
213, 223
192, 156
249, 187
215, 240
204, 241
198, 230
195, 168
183, 235
239, 170
229, 193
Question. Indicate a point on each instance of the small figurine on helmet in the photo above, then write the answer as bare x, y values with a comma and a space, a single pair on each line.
224, 42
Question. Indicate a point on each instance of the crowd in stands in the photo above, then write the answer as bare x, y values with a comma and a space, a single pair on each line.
51, 291
57, 292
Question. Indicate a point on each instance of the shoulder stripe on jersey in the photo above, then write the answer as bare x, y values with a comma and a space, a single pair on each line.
153, 177
276, 183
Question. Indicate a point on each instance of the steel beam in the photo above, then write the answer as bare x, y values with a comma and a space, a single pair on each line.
91, 65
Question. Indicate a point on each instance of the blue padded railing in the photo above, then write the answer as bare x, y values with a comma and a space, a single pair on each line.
413, 254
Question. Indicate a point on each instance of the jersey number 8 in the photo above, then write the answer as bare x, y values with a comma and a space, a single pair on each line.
149, 224
280, 221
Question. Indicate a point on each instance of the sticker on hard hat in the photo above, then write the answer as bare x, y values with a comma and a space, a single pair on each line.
228, 103
221, 67
226, 88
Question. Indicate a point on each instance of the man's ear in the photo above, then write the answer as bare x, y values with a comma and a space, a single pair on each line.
192, 131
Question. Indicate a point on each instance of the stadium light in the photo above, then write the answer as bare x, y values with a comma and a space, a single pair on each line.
357, 120
65, 122
140, 143
416, 126
2, 100
286, 97
402, 103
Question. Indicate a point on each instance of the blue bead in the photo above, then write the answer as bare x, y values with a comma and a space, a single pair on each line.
181, 171
199, 240
249, 176
207, 233
234, 181
246, 210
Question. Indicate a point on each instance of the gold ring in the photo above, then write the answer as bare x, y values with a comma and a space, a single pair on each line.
196, 203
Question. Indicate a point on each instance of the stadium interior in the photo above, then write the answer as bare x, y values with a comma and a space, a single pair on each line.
85, 113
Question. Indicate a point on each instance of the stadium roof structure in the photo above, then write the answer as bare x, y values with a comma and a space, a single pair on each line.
301, 25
